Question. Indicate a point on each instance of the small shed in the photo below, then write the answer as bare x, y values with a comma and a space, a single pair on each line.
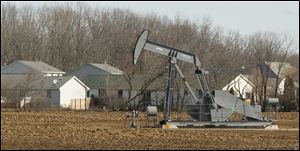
63, 89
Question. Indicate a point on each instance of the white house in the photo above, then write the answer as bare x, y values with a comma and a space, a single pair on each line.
285, 70
31, 67
61, 90
241, 87
55, 90
41, 82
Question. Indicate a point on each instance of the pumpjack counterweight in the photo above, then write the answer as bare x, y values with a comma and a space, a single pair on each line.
210, 109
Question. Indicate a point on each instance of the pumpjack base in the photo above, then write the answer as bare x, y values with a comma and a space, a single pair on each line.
235, 124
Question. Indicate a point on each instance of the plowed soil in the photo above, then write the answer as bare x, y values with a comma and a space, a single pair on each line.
105, 130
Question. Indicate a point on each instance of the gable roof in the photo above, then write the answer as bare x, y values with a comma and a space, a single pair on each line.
35, 65
57, 82
274, 67
231, 70
107, 68
237, 79
17, 81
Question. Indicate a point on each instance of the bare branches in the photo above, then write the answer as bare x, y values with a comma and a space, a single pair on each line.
69, 36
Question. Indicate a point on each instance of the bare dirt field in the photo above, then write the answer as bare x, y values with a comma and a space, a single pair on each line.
105, 130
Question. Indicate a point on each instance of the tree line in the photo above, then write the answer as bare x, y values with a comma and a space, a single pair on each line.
68, 36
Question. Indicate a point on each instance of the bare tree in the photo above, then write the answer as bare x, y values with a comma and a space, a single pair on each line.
281, 58
67, 36
265, 48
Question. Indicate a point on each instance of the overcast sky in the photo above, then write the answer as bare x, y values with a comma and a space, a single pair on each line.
244, 17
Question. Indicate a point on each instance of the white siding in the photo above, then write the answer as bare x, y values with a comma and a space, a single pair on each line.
71, 90
281, 87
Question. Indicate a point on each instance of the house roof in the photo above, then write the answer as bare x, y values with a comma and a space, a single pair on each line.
18, 81
119, 82
57, 82
54, 82
107, 68
274, 66
36, 65
232, 70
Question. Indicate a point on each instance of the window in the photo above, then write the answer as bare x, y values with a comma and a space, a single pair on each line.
248, 95
48, 93
120, 93
147, 98
48, 75
101, 93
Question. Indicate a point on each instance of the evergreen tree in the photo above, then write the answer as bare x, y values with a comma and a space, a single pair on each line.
289, 98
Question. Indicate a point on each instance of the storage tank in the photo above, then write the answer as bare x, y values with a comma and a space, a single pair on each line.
273, 101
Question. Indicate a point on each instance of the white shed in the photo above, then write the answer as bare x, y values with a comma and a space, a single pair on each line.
55, 90
63, 89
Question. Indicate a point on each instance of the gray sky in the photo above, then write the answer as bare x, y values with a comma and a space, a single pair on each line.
244, 17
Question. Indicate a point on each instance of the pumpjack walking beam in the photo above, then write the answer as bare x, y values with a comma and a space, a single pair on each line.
174, 55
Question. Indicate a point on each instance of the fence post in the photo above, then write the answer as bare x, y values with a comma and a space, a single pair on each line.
24, 105
79, 104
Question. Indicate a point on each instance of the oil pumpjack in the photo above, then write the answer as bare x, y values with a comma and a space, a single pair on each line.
213, 108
